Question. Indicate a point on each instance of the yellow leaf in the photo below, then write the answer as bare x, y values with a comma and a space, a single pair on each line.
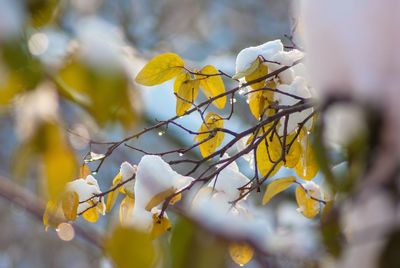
111, 199
307, 166
175, 199
42, 12
59, 160
260, 71
84, 171
130, 248
113, 195
91, 215
186, 89
158, 198
52, 215
260, 100
159, 69
160, 226
251, 69
293, 156
241, 253
100, 208
212, 85
326, 211
277, 186
267, 153
10, 85
126, 209
212, 121
69, 203
308, 206
92, 87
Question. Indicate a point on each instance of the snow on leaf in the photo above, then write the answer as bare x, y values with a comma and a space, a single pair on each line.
159, 198
245, 60
127, 171
95, 157
250, 68
155, 181
228, 181
307, 206
86, 190
298, 88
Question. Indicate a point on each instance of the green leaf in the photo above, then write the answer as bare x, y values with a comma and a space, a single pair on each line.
182, 236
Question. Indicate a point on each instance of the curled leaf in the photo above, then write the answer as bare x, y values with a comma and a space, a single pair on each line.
126, 209
113, 195
69, 204
307, 167
84, 171
186, 90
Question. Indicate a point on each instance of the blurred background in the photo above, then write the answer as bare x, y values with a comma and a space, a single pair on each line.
201, 32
